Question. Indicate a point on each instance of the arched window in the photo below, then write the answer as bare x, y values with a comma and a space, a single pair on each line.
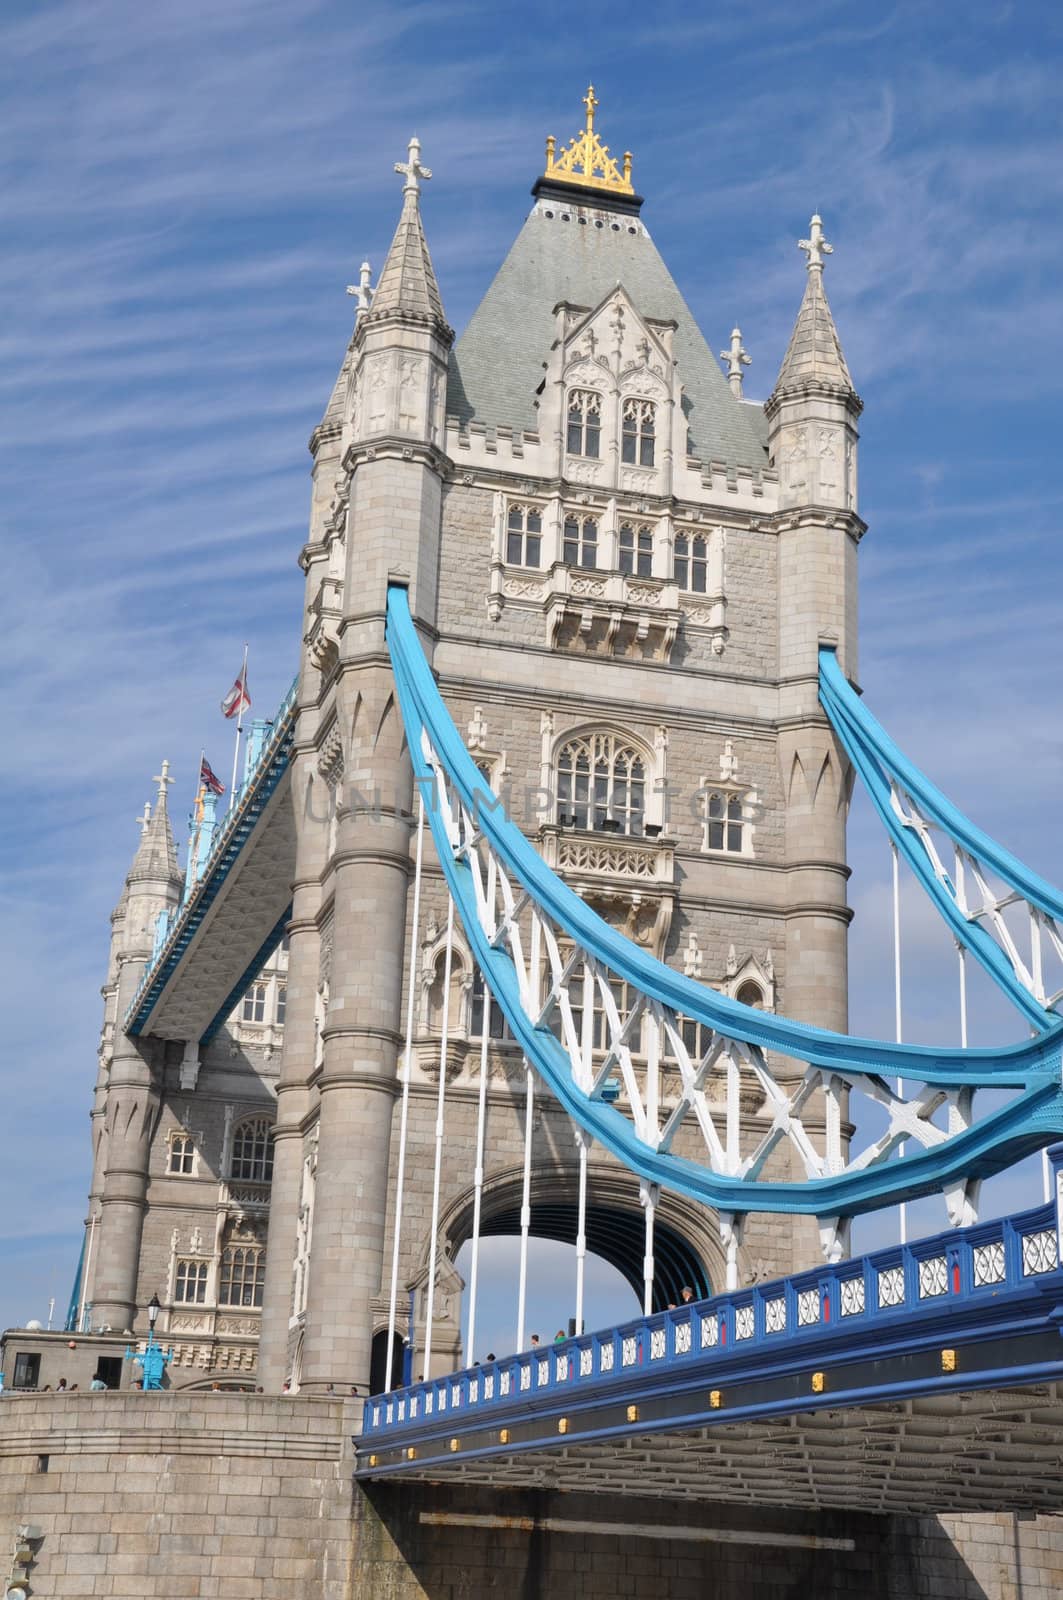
750, 994
636, 550
252, 1160
581, 542
601, 783
584, 423
636, 445
435, 993
524, 536
690, 563
243, 1275
725, 825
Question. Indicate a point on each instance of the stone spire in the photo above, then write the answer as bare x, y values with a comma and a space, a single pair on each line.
407, 283
814, 356
156, 856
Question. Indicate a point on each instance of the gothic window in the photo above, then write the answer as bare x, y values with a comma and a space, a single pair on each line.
255, 1004
282, 1004
190, 1283
751, 994
524, 536
243, 1274
181, 1155
584, 423
636, 550
435, 993
691, 562
636, 445
252, 1160
725, 825
581, 542
601, 783
497, 1028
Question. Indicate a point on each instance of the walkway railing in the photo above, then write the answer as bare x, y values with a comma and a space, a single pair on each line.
235, 830
878, 1295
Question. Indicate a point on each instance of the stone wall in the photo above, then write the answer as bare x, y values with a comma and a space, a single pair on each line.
196, 1496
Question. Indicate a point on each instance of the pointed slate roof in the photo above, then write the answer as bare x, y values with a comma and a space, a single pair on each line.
407, 279
156, 856
814, 354
497, 365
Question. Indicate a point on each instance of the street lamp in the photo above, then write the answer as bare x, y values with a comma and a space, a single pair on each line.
153, 1359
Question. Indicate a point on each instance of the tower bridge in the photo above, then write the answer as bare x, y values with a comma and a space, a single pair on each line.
552, 825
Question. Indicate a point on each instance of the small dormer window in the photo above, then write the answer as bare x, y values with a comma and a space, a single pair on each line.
524, 536
636, 550
581, 542
584, 423
638, 433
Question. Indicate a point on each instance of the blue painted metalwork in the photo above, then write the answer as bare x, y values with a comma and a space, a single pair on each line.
70, 1325
1032, 1119
993, 1281
878, 760
232, 837
152, 1361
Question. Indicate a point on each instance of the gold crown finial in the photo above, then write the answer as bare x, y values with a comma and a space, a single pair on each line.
587, 162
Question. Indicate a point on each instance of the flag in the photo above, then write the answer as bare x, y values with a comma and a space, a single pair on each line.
237, 701
208, 778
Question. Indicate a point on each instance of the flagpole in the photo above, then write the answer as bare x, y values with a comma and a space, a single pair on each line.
239, 728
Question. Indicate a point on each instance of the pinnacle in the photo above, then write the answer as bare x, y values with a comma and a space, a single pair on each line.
156, 856
814, 355
407, 280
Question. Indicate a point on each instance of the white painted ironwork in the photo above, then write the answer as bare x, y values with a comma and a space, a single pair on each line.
629, 1352
586, 1363
407, 1061
891, 1287
1030, 939
444, 1042
632, 1048
682, 1338
658, 1344
775, 1315
933, 1277
605, 1358
853, 1297
743, 1322
988, 1263
505, 1382
710, 1331
1039, 1252
807, 1307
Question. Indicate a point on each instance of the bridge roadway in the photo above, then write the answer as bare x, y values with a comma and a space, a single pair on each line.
235, 916
925, 1378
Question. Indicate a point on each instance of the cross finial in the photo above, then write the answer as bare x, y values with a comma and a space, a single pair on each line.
590, 100
163, 779
815, 246
412, 168
363, 289
736, 359
144, 818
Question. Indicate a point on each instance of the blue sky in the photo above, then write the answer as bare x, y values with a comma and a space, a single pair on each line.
186, 193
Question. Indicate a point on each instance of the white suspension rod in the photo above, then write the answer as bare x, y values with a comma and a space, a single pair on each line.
902, 1209
478, 1173
581, 1227
440, 1111
525, 1205
404, 1119
649, 1201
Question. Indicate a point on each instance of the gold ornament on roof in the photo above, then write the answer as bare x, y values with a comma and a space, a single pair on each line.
587, 160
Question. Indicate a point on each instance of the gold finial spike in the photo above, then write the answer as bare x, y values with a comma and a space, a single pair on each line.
587, 162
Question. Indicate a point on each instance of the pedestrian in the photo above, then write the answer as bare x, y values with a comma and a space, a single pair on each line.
138, 1383
490, 1355
688, 1294
60, 1387
286, 1386
560, 1336
535, 1341
97, 1382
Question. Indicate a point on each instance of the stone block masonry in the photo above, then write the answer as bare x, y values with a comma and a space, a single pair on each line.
200, 1496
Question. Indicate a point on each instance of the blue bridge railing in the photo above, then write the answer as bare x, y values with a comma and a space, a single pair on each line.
879, 1300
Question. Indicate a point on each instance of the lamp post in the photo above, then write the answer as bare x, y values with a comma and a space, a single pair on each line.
153, 1359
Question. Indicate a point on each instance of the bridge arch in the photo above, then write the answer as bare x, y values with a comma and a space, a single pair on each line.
687, 1247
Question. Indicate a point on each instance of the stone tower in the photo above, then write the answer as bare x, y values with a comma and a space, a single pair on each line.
621, 569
